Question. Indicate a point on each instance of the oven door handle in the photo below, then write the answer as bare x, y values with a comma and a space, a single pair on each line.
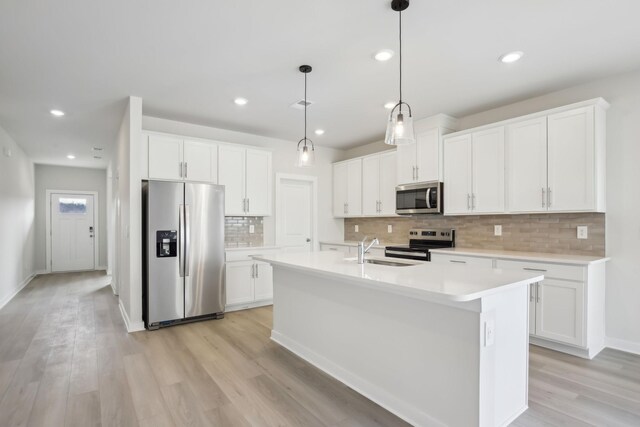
429, 198
403, 253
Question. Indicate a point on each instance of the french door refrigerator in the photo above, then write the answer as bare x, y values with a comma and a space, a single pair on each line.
183, 252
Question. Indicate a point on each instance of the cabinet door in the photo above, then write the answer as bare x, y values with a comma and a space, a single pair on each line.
258, 182
428, 156
354, 188
340, 190
165, 157
370, 185
231, 174
488, 171
526, 165
457, 175
560, 311
263, 281
200, 161
239, 282
571, 160
406, 163
388, 175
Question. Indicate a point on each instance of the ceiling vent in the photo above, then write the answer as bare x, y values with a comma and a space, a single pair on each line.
301, 104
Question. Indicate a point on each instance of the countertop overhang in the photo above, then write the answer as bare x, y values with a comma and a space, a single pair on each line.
422, 280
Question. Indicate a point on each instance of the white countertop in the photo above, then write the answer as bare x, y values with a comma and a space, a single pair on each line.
423, 280
250, 248
519, 255
352, 243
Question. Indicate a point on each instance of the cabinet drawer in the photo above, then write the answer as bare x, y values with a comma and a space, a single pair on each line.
232, 256
555, 271
459, 259
335, 248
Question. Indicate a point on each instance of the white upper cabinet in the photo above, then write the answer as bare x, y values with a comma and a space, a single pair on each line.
526, 159
347, 188
474, 173
571, 147
379, 184
406, 168
421, 161
178, 159
246, 175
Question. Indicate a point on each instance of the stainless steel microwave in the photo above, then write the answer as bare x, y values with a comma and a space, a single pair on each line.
419, 198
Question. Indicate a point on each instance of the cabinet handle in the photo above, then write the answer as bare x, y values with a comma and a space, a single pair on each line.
417, 173
537, 292
413, 176
457, 262
185, 169
468, 202
248, 205
347, 207
180, 169
473, 201
534, 269
549, 196
257, 271
543, 197
531, 291
333, 249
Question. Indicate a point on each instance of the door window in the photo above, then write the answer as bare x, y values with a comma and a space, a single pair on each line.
72, 205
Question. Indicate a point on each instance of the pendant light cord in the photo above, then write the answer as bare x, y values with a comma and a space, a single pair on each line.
400, 37
305, 109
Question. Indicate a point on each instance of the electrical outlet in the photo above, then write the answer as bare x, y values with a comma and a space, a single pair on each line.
252, 229
489, 333
389, 228
497, 230
583, 232
356, 228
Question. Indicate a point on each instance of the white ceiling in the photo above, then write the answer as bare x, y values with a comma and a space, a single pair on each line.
188, 60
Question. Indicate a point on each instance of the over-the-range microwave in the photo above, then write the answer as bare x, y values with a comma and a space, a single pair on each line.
419, 198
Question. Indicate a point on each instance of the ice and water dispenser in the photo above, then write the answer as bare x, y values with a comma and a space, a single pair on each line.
166, 243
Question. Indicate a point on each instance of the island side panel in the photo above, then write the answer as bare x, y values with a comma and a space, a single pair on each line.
418, 359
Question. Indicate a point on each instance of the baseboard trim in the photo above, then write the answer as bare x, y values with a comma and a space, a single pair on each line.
623, 345
20, 287
41, 272
247, 306
101, 267
131, 327
408, 413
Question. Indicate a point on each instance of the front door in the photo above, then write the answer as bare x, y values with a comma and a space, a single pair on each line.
72, 232
296, 215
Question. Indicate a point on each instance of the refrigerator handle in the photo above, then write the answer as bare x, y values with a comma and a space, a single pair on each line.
181, 253
187, 240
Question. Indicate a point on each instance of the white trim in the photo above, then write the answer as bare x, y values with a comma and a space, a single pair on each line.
623, 345
246, 306
131, 327
96, 227
372, 392
20, 287
315, 244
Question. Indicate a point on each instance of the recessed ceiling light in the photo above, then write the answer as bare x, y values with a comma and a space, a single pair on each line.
57, 113
383, 55
319, 131
510, 57
390, 105
70, 156
240, 101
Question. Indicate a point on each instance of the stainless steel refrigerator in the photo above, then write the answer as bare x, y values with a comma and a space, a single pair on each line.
183, 252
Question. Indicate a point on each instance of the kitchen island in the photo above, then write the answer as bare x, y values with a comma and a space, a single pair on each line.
434, 344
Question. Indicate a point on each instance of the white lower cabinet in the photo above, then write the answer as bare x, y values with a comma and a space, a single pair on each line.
249, 283
566, 309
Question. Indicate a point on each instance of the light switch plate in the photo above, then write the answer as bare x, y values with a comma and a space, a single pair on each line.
583, 232
497, 230
356, 228
252, 229
389, 228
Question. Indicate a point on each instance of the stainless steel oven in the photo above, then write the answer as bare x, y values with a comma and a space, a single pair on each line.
420, 198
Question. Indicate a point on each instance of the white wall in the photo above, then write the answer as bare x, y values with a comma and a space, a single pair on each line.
284, 155
48, 177
623, 196
16, 218
126, 202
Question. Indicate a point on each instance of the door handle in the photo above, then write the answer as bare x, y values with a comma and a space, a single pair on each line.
187, 240
181, 240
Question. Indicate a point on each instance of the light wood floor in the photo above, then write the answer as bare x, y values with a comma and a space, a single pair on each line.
65, 359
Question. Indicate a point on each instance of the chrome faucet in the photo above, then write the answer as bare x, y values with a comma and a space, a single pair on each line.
362, 250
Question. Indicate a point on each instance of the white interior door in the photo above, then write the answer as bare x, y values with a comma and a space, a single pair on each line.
72, 232
295, 215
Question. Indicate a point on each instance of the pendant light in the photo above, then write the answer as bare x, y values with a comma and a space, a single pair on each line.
400, 124
306, 150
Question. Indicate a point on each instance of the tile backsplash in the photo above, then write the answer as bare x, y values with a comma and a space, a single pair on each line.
237, 231
550, 233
